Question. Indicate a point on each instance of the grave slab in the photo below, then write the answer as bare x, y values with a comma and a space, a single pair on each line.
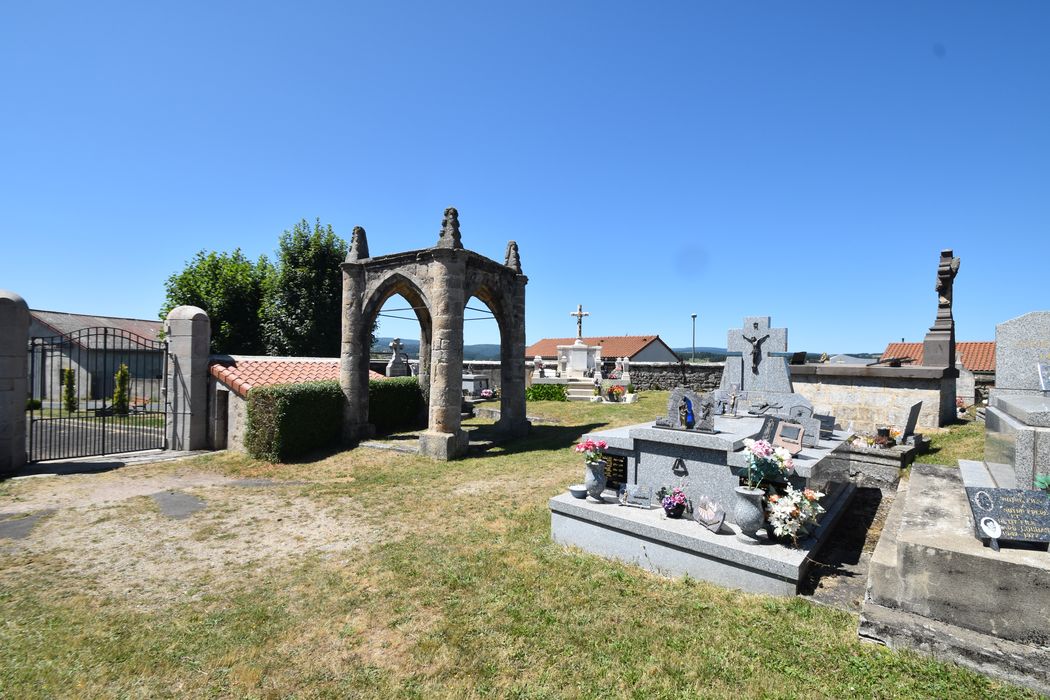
679, 547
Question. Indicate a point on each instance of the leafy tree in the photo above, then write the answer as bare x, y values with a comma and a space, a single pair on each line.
120, 389
301, 315
230, 287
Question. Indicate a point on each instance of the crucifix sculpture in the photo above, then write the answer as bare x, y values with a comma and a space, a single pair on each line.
579, 313
756, 348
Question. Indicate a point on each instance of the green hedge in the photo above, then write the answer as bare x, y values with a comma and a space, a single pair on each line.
395, 404
546, 392
287, 420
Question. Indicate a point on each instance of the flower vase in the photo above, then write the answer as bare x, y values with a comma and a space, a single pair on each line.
748, 512
594, 479
674, 511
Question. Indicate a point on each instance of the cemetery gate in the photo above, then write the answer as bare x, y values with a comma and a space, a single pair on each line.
95, 391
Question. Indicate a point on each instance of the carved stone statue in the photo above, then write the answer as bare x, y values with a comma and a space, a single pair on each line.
756, 349
449, 236
512, 259
538, 371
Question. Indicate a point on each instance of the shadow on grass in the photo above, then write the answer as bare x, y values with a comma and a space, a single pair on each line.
540, 437
841, 555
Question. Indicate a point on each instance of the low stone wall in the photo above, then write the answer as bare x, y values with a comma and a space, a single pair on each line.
652, 376
864, 466
869, 397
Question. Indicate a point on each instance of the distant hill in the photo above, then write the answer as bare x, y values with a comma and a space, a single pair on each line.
490, 351
480, 351
703, 354
708, 354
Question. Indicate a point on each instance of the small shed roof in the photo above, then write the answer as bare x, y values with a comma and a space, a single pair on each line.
242, 373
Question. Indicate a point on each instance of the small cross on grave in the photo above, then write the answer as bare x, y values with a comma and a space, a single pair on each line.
579, 313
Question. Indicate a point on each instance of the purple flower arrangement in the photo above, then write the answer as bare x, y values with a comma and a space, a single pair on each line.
673, 502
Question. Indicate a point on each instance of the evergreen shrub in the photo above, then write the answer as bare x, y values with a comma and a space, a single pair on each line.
287, 420
69, 391
546, 392
395, 404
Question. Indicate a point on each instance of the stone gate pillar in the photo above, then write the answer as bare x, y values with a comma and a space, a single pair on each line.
512, 421
353, 359
444, 439
188, 332
14, 380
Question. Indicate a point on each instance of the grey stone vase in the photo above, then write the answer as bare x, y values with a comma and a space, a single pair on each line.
749, 514
594, 479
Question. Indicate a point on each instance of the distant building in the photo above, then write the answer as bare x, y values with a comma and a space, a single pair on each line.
94, 347
975, 360
636, 348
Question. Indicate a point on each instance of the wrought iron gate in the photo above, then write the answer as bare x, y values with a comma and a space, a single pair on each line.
95, 391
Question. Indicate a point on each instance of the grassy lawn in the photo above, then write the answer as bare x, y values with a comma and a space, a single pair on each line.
964, 440
371, 573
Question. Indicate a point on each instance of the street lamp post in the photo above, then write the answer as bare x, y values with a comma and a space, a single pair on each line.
694, 338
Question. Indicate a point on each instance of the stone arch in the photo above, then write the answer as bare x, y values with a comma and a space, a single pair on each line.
437, 282
408, 286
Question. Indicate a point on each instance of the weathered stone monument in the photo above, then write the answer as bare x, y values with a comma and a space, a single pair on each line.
437, 282
961, 570
939, 344
757, 380
579, 360
698, 446
14, 338
398, 365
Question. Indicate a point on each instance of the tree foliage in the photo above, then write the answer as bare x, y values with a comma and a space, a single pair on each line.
292, 307
231, 289
69, 391
121, 380
301, 315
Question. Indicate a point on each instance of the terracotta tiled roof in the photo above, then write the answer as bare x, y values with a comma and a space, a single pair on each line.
612, 346
244, 373
976, 356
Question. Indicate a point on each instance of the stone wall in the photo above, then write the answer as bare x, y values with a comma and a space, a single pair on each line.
869, 397
653, 376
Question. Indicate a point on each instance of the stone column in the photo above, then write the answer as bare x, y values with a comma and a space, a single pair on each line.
353, 359
188, 332
14, 380
444, 439
512, 421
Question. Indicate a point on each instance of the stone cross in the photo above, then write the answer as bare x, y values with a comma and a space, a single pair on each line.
755, 361
579, 313
398, 365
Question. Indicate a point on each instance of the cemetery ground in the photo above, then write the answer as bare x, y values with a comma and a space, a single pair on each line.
374, 573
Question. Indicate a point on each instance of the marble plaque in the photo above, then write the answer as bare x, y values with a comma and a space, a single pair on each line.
1022, 515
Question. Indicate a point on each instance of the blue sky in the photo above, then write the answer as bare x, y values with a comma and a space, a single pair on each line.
806, 161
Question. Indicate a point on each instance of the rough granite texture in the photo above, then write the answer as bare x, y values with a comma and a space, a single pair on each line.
678, 547
436, 282
1020, 344
934, 588
14, 387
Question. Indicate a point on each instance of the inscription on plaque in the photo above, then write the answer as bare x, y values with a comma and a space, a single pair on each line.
637, 496
616, 468
1022, 515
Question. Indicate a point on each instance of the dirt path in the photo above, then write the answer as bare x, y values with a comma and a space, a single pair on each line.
113, 531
